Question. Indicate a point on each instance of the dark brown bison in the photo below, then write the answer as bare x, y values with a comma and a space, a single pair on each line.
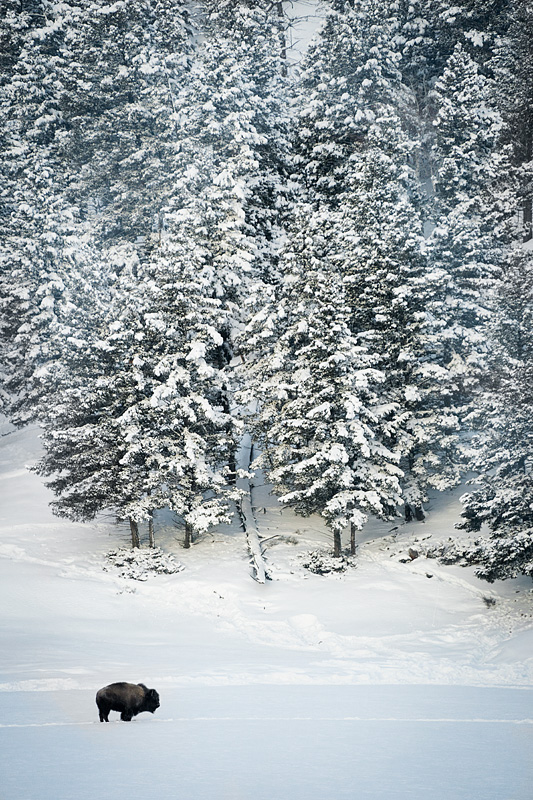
128, 698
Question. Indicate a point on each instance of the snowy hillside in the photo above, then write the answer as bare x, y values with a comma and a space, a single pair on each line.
405, 680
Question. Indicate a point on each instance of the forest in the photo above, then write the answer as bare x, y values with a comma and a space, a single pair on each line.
204, 244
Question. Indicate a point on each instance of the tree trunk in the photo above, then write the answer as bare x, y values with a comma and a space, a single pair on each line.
151, 537
134, 528
414, 512
283, 39
352, 539
337, 545
528, 219
188, 536
528, 202
232, 457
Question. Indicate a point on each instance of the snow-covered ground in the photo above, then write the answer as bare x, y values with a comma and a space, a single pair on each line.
393, 680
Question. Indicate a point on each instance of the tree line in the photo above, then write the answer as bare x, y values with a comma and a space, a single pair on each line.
200, 239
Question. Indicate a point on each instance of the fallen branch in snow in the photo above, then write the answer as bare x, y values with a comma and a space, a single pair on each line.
244, 508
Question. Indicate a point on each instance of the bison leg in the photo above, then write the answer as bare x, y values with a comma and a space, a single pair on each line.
126, 716
104, 714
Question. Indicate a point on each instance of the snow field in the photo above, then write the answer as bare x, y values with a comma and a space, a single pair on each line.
380, 682
298, 742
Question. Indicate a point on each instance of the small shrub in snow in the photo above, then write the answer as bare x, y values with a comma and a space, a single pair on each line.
457, 552
140, 564
323, 563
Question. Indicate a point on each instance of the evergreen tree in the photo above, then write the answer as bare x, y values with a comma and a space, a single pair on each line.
504, 417
428, 32
359, 228
350, 79
45, 258
231, 123
137, 423
514, 82
321, 414
472, 211
116, 99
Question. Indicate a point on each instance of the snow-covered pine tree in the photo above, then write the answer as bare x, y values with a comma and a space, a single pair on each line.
320, 415
350, 78
391, 294
426, 33
511, 63
88, 146
138, 423
225, 219
472, 212
117, 101
45, 257
17, 26
359, 228
504, 417
186, 426
231, 124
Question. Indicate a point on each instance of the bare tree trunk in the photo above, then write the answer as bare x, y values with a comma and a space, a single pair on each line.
232, 457
283, 38
188, 536
134, 528
352, 538
151, 537
414, 512
528, 219
528, 202
337, 545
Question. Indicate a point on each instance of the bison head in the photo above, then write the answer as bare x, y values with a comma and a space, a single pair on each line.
151, 700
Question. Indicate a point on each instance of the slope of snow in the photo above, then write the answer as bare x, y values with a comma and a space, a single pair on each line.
406, 680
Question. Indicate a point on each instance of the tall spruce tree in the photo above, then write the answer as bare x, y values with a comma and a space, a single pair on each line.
504, 419
321, 416
359, 230
514, 87
138, 422
116, 98
46, 257
472, 211
88, 142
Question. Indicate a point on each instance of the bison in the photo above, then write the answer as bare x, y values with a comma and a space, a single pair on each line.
128, 698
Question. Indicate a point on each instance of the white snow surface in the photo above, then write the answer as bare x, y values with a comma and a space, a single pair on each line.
392, 680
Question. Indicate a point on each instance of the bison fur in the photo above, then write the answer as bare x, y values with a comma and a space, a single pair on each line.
127, 698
